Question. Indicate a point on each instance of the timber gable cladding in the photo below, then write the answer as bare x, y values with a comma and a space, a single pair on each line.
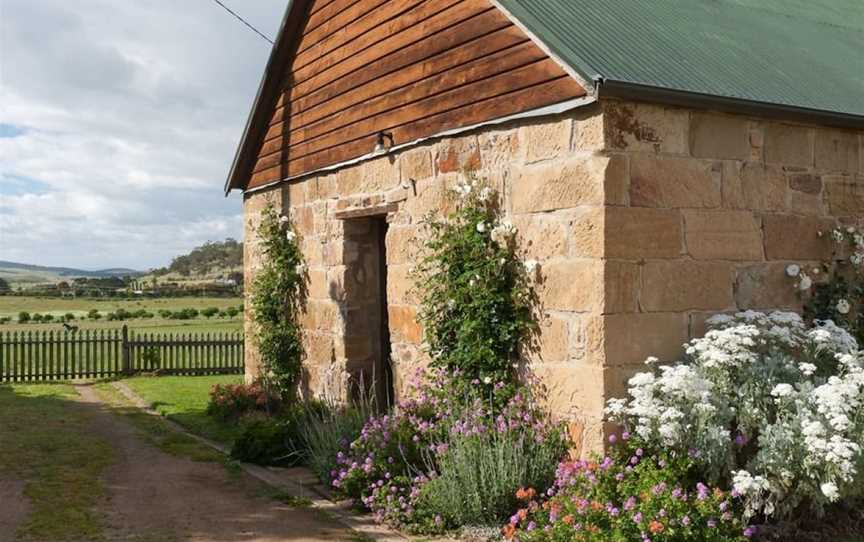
414, 68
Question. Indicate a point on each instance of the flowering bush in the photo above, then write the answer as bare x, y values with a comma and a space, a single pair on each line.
405, 462
838, 292
232, 401
476, 306
627, 496
762, 402
278, 292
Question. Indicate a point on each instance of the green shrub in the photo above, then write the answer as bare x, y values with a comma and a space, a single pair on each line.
330, 429
165, 313
24, 317
47, 318
232, 401
37, 318
232, 312
270, 441
69, 317
209, 312
94, 314
475, 480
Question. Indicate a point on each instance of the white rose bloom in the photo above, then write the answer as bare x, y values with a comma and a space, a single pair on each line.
531, 266
283, 219
805, 283
843, 306
290, 235
300, 268
782, 390
793, 270
837, 235
481, 227
850, 229
856, 259
830, 490
807, 368
487, 380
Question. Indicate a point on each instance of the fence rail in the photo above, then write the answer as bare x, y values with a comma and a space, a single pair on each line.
45, 356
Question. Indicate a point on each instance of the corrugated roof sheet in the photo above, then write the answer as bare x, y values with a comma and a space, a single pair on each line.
800, 53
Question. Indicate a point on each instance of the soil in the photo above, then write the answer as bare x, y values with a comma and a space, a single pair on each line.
14, 507
154, 496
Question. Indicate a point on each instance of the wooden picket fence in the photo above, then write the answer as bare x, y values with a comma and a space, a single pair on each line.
66, 355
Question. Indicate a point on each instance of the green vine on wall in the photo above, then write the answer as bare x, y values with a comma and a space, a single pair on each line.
834, 290
477, 302
278, 294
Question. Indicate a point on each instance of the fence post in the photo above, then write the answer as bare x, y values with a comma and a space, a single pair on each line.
124, 349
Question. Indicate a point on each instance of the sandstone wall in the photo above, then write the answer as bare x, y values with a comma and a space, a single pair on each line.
551, 176
645, 221
713, 208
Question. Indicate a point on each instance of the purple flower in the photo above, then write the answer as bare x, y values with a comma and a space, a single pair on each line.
749, 532
613, 439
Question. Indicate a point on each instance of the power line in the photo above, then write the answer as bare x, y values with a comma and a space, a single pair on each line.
244, 21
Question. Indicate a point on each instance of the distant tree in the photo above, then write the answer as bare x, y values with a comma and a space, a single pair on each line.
47, 318
37, 318
166, 314
24, 317
94, 314
4, 287
69, 316
232, 312
210, 312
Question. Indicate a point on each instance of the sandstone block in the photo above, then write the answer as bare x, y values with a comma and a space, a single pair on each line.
402, 245
416, 164
404, 326
807, 183
546, 140
719, 136
296, 192
723, 235
318, 287
586, 233
766, 286
458, 154
541, 236
571, 285
401, 288
559, 185
499, 148
686, 285
789, 145
319, 348
632, 338
633, 233
754, 186
572, 390
617, 182
621, 282
669, 182
644, 127
836, 151
552, 340
588, 129
845, 195
791, 237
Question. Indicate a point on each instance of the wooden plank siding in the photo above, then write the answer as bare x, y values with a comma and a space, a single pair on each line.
411, 67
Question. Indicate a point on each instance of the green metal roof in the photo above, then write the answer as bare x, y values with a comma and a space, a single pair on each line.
805, 54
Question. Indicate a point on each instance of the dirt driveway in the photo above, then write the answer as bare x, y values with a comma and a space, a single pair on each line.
152, 496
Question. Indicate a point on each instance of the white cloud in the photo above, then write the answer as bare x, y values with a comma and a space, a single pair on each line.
132, 112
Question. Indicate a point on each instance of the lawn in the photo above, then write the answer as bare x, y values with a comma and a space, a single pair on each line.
45, 443
184, 400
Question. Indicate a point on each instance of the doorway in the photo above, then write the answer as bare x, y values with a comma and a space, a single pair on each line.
367, 332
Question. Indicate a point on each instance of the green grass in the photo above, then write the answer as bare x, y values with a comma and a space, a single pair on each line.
155, 430
45, 441
10, 306
184, 399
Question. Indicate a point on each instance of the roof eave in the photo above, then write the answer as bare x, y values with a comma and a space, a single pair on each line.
607, 88
268, 91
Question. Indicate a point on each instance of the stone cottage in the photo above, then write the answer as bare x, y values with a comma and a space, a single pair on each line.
662, 160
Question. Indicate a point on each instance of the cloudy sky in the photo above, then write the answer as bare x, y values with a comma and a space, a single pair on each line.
118, 123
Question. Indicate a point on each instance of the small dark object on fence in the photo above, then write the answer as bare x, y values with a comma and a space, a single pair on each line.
69, 327
67, 355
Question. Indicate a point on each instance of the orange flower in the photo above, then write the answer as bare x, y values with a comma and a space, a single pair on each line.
596, 506
509, 530
522, 513
655, 527
524, 494
568, 519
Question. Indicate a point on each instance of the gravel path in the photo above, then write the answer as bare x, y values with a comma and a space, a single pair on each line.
154, 496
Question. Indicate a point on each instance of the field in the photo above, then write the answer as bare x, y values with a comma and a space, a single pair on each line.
10, 306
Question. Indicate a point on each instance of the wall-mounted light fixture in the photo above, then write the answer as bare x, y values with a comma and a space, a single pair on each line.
381, 145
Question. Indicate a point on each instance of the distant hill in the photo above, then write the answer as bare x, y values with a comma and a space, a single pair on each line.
22, 273
212, 259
